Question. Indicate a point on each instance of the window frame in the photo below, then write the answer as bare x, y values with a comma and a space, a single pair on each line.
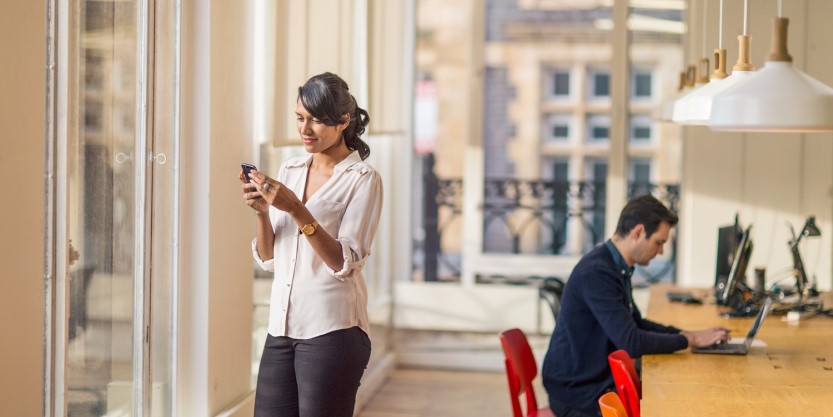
592, 83
641, 121
635, 74
551, 84
553, 121
594, 121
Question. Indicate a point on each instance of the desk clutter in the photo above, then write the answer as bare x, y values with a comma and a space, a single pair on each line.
789, 306
731, 286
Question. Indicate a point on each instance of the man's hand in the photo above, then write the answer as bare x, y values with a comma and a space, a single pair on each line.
707, 337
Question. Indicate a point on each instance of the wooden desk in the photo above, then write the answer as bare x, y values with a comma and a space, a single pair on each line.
791, 376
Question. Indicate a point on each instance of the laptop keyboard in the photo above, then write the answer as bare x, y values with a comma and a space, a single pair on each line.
727, 347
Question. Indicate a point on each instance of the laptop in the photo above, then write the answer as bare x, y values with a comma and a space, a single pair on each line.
743, 347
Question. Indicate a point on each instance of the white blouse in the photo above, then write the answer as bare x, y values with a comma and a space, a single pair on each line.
308, 298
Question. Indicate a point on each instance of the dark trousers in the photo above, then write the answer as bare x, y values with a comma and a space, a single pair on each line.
562, 410
317, 377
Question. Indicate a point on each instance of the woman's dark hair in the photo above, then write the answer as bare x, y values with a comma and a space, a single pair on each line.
327, 98
647, 211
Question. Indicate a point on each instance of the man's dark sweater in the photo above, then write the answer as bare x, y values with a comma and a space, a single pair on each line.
598, 317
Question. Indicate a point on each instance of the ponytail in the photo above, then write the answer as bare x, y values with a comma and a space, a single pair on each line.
352, 134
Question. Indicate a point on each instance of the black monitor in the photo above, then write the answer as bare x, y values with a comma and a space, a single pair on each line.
728, 241
732, 294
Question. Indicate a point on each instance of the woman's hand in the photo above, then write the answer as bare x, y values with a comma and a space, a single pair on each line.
252, 196
274, 193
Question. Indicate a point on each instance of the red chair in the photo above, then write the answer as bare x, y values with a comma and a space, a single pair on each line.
627, 381
521, 369
612, 406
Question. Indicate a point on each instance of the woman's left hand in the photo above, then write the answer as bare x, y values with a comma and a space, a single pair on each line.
274, 192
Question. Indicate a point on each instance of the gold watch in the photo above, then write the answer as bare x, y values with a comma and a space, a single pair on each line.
310, 229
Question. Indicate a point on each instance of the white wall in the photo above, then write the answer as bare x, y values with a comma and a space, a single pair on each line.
769, 179
22, 117
216, 226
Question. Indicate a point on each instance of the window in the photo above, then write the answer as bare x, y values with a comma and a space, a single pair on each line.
561, 170
600, 132
641, 171
556, 83
594, 218
640, 176
561, 83
598, 171
109, 350
557, 128
599, 80
641, 84
560, 212
598, 126
641, 130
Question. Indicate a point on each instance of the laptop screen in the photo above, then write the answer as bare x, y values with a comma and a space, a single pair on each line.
758, 320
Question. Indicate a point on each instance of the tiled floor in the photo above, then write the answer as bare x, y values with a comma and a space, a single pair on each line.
437, 393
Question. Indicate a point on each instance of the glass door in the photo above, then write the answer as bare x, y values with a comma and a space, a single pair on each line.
112, 312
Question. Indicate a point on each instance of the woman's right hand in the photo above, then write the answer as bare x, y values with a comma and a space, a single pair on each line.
252, 196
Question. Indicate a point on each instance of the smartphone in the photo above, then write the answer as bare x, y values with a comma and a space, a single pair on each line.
247, 168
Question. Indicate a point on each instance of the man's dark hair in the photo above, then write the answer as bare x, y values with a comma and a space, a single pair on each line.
647, 211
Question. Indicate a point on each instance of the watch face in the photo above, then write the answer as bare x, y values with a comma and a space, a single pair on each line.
309, 229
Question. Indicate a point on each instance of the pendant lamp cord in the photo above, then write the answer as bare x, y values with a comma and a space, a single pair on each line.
779, 8
745, 17
705, 24
720, 34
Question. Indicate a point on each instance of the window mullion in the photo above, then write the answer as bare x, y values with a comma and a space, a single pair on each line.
617, 185
141, 277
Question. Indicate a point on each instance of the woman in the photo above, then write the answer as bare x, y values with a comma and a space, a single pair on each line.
315, 226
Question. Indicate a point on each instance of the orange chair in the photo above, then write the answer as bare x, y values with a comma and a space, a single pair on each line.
612, 406
627, 381
521, 369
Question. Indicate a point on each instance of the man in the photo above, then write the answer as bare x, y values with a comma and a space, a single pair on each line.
598, 315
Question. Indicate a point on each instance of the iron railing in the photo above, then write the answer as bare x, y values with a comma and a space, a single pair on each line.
522, 217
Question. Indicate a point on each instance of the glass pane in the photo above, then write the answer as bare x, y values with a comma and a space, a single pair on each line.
641, 127
642, 84
600, 82
560, 210
598, 128
558, 47
561, 81
594, 217
557, 128
654, 150
546, 69
438, 171
99, 370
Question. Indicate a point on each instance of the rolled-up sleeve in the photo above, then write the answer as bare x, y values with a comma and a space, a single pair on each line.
264, 265
359, 224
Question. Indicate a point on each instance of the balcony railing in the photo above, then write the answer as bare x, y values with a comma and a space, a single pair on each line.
540, 217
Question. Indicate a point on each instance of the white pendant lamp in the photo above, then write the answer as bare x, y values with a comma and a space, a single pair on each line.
776, 98
665, 111
700, 101
681, 104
